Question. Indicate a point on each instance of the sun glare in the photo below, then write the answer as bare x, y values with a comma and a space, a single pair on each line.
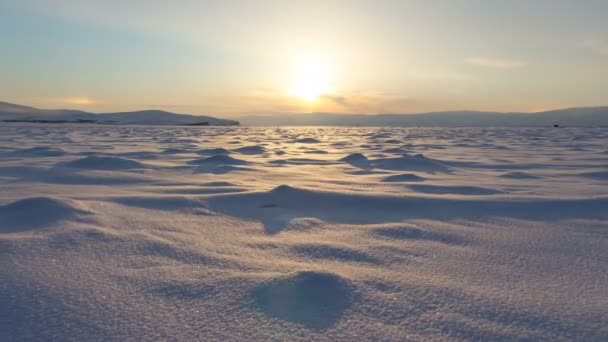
311, 80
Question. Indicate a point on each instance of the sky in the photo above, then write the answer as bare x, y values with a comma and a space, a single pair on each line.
231, 58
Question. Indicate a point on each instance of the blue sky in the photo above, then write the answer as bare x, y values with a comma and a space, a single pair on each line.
232, 57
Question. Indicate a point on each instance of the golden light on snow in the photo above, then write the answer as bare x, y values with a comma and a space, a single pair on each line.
311, 80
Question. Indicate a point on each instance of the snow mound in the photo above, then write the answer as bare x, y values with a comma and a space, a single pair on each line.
454, 189
174, 150
354, 157
406, 177
519, 175
40, 151
278, 162
284, 189
103, 163
218, 159
222, 169
408, 162
218, 184
600, 175
314, 299
307, 141
37, 212
316, 152
212, 151
253, 149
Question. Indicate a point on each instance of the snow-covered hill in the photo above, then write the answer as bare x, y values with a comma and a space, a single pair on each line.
577, 117
9, 111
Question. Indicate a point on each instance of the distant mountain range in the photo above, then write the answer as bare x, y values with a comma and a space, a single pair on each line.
580, 117
18, 113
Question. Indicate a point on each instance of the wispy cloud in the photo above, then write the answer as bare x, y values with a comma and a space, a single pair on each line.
341, 100
439, 74
498, 63
371, 102
82, 101
595, 44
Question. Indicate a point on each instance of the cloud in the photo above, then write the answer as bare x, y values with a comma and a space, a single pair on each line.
498, 63
370, 102
437, 74
595, 44
82, 101
341, 100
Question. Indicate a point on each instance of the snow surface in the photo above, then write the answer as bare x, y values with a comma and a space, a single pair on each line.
350, 233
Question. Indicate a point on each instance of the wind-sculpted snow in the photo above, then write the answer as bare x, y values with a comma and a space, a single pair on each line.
40, 151
405, 177
333, 233
253, 149
212, 151
102, 163
219, 159
37, 212
354, 157
453, 189
599, 175
409, 163
307, 141
519, 175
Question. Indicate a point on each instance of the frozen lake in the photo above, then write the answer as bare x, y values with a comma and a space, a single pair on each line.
252, 233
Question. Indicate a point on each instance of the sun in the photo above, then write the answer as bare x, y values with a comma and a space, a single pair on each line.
311, 80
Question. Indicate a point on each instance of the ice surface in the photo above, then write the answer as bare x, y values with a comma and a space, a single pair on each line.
334, 233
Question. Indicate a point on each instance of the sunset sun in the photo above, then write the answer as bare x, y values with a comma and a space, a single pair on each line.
311, 80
